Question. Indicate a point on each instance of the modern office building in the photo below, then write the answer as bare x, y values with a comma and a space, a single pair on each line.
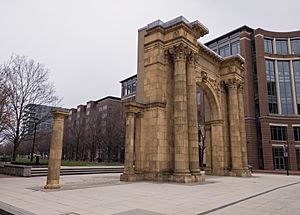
271, 93
41, 117
128, 88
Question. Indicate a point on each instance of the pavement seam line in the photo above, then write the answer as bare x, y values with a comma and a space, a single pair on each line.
247, 198
8, 209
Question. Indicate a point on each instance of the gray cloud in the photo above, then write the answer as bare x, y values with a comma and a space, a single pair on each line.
90, 46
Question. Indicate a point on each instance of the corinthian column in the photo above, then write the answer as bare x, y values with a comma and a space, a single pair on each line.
192, 116
55, 150
242, 126
234, 122
180, 112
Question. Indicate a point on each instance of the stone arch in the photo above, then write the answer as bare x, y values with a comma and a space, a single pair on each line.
211, 97
161, 126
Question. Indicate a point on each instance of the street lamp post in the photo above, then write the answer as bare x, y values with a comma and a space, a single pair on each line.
33, 141
286, 158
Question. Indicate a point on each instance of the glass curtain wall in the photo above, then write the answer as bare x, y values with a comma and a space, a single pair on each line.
271, 83
296, 67
285, 87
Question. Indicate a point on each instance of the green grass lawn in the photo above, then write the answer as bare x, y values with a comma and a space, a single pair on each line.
26, 161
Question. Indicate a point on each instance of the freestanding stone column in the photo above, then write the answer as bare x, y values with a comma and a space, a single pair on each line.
55, 150
192, 116
128, 174
234, 121
180, 113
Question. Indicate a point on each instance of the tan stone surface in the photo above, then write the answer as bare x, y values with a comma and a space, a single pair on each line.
162, 133
55, 150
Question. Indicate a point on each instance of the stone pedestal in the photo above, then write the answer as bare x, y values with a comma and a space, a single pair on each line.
55, 150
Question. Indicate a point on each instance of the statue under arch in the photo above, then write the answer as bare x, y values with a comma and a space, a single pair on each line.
161, 126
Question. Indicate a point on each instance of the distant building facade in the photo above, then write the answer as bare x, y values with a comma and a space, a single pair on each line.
41, 116
95, 131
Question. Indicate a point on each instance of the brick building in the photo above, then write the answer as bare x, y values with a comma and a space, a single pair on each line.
95, 131
271, 93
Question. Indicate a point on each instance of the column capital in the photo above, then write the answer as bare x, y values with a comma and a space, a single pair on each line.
191, 58
234, 83
179, 52
59, 114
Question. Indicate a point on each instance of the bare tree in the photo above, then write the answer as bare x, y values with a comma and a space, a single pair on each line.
113, 140
4, 114
94, 134
27, 83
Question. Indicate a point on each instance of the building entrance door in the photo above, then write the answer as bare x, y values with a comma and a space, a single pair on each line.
278, 157
298, 158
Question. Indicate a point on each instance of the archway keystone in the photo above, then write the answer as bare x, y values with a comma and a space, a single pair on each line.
161, 126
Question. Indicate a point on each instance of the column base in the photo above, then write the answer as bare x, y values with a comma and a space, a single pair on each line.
52, 186
240, 173
129, 177
216, 172
164, 177
187, 178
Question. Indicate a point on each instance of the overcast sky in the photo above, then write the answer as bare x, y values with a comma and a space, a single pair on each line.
90, 45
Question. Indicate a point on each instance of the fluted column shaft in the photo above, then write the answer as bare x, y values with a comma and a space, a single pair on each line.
192, 117
234, 121
180, 114
139, 146
55, 150
242, 126
129, 144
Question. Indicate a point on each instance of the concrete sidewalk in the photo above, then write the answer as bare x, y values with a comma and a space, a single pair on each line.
105, 194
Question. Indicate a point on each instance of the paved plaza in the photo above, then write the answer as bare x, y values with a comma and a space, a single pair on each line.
105, 194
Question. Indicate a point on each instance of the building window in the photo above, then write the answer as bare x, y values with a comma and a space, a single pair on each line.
271, 83
296, 133
281, 46
296, 67
273, 108
268, 45
295, 45
278, 133
278, 157
129, 87
224, 51
298, 158
235, 48
285, 87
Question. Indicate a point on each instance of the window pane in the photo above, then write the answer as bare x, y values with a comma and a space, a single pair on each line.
278, 133
224, 51
295, 45
268, 45
235, 48
281, 46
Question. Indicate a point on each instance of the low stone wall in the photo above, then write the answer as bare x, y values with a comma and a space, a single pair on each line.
17, 170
